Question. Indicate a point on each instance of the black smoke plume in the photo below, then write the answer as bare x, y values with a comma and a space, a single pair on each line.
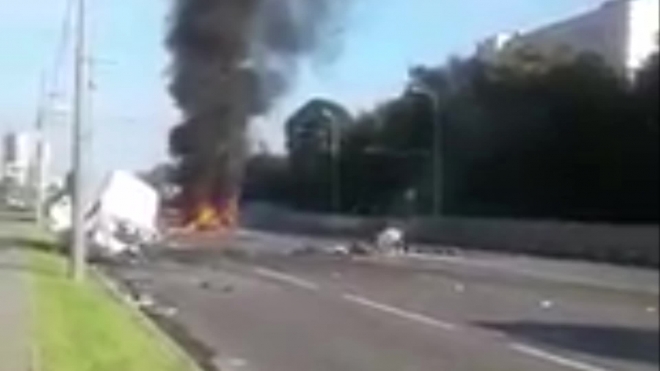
232, 60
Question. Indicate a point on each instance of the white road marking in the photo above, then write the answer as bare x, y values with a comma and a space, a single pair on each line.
399, 312
287, 278
559, 360
529, 272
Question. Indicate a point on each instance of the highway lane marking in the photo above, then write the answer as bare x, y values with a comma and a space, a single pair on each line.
521, 271
399, 312
287, 278
559, 360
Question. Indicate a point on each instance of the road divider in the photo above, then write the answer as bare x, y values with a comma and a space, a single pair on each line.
402, 313
286, 278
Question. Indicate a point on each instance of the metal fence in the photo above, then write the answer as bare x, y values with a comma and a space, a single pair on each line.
621, 244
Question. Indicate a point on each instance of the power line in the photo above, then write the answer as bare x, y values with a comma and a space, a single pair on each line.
62, 43
43, 105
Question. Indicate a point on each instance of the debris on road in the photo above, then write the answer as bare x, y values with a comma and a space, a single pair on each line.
164, 311
306, 250
390, 240
459, 287
143, 300
546, 304
340, 250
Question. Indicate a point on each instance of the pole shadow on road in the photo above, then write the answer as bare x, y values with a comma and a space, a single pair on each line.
630, 344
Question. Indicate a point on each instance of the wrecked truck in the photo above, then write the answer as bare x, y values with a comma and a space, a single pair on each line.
122, 219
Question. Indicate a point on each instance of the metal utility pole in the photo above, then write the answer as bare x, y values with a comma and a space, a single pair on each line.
78, 248
336, 183
436, 152
38, 170
335, 159
437, 156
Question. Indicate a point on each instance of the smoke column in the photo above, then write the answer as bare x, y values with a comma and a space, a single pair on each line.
232, 60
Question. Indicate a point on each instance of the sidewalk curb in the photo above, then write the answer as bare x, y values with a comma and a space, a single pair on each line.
151, 326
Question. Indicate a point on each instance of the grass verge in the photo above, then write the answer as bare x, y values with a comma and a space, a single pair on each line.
80, 327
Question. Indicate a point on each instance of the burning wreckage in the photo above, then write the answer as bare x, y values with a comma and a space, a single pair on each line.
232, 60
125, 216
122, 218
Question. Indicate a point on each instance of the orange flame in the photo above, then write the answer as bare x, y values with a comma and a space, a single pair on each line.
209, 217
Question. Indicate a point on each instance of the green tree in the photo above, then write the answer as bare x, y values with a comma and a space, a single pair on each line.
266, 179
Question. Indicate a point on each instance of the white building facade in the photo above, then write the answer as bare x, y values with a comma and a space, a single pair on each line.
623, 32
20, 159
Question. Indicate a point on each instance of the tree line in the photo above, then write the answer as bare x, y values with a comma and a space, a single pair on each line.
531, 135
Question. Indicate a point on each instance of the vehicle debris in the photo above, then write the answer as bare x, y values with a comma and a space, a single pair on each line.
546, 304
120, 222
391, 240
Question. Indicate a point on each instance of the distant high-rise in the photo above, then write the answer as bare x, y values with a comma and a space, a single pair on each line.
19, 159
622, 32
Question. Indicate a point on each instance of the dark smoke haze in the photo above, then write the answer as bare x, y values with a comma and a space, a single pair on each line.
232, 60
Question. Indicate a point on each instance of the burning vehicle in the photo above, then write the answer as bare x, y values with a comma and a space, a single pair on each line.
232, 60
121, 220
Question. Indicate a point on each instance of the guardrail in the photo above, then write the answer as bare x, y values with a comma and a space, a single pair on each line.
620, 244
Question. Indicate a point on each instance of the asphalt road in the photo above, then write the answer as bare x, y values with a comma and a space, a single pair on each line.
265, 309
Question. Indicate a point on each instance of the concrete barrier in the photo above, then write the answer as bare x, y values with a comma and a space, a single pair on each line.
621, 244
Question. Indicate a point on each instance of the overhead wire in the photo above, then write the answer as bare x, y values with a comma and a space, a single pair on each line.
62, 44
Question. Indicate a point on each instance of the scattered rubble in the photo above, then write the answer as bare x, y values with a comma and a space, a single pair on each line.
546, 304
143, 300
164, 311
306, 250
391, 240
340, 250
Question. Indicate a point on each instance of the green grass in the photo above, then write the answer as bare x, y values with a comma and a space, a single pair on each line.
81, 327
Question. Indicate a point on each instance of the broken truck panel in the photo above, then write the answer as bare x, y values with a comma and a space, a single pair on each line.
122, 218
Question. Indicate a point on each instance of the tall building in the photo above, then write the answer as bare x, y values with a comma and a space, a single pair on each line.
20, 151
623, 32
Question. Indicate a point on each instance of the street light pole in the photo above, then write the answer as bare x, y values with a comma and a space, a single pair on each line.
335, 170
38, 168
78, 249
437, 157
436, 152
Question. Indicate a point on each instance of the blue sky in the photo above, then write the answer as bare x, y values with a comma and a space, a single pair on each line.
133, 113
